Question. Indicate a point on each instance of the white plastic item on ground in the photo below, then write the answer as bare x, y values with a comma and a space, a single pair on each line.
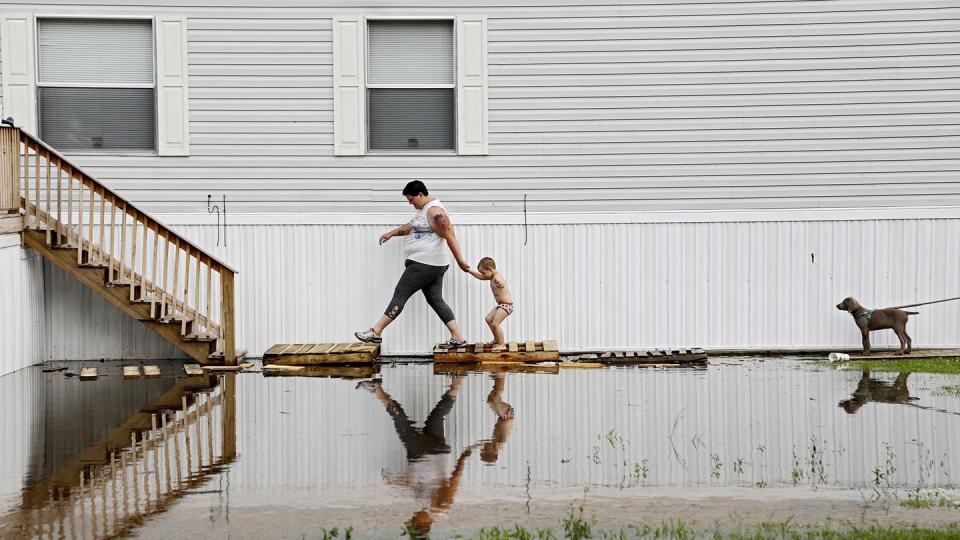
838, 357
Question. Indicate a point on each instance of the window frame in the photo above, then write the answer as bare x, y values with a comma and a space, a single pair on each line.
153, 53
368, 86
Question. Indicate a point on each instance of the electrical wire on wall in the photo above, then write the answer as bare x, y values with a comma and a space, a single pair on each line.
524, 219
221, 211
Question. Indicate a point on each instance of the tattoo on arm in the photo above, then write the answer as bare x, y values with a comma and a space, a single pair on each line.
441, 223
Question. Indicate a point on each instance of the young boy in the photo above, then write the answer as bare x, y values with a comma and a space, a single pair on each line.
487, 271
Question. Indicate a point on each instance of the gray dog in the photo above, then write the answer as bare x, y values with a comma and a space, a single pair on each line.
869, 320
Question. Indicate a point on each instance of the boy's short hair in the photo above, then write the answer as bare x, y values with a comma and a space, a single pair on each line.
485, 263
414, 188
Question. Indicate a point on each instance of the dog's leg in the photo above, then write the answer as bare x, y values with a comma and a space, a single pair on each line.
909, 341
866, 340
902, 336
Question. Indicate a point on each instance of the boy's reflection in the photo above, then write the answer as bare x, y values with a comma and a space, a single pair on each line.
874, 390
428, 452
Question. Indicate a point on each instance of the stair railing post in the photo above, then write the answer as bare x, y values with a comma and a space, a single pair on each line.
227, 325
9, 170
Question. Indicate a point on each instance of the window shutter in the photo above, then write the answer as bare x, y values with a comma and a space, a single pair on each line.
17, 62
348, 87
472, 86
173, 110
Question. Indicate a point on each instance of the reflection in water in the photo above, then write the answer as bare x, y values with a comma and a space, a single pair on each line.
100, 473
428, 453
314, 450
879, 391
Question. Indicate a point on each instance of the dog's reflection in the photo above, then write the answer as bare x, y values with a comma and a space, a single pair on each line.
875, 390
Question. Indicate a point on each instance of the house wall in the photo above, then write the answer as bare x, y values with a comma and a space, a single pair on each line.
639, 105
22, 332
632, 136
750, 283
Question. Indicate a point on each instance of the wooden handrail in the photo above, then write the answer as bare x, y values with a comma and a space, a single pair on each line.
134, 258
85, 177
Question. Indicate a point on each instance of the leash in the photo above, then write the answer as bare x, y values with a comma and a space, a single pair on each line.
927, 303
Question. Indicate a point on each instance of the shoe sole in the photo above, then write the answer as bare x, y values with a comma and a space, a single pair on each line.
371, 340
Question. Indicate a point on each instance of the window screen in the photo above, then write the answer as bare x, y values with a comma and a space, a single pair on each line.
410, 80
96, 84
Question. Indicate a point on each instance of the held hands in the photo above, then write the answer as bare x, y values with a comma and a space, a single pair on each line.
463, 265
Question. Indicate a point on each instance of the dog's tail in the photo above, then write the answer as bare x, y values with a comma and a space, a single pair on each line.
912, 313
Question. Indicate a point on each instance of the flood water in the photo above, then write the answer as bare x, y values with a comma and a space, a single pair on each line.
249, 456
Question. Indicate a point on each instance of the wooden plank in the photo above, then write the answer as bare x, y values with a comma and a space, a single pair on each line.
278, 367
151, 372
478, 347
276, 349
88, 374
131, 372
240, 367
548, 368
530, 346
193, 369
550, 346
513, 347
580, 365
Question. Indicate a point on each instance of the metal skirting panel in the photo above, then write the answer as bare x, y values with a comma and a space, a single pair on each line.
21, 306
753, 285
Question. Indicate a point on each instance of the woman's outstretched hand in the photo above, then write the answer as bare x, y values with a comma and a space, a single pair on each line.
385, 236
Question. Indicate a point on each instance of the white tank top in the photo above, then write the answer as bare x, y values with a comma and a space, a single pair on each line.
423, 245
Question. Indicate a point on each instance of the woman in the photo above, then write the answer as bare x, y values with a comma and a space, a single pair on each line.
426, 239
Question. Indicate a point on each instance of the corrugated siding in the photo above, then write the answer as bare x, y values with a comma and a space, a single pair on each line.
84, 326
753, 285
22, 339
685, 104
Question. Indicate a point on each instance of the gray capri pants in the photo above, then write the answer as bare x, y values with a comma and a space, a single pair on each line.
421, 277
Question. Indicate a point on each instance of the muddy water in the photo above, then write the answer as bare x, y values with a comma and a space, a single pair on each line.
248, 456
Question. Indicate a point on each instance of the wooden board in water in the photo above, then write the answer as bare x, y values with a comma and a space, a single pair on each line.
450, 368
321, 354
655, 356
526, 352
334, 372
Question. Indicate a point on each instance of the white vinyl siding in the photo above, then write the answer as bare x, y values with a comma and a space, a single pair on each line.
96, 84
637, 106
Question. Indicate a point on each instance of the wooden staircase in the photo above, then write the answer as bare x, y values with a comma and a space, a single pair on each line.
120, 252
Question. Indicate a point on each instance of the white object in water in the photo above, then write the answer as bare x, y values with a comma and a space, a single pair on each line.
838, 357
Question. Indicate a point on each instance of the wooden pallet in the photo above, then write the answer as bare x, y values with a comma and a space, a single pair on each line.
654, 356
530, 351
321, 354
333, 372
450, 368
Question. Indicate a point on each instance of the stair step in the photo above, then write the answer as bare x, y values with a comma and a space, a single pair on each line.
195, 337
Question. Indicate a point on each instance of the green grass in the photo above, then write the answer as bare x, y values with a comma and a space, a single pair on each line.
943, 365
677, 530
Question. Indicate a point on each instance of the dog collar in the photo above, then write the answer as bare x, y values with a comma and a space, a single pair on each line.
862, 312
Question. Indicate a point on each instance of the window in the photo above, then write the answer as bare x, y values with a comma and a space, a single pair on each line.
96, 84
410, 84
407, 85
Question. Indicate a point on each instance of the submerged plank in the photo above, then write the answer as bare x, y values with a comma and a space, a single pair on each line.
336, 372
88, 374
151, 372
581, 365
193, 369
131, 372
